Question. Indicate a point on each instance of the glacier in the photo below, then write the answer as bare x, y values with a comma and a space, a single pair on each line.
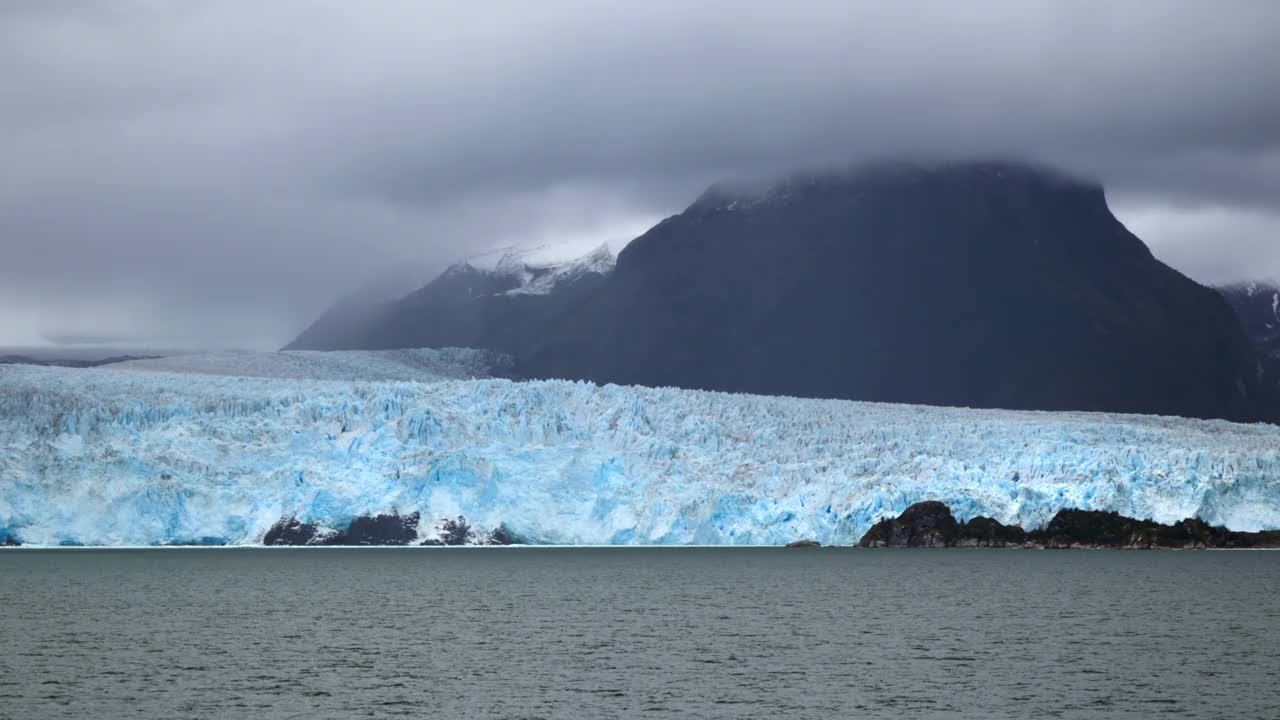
419, 365
144, 455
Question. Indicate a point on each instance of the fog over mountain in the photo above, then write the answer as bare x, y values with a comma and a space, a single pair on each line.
218, 173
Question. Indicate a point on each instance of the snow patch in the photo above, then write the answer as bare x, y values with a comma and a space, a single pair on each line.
540, 269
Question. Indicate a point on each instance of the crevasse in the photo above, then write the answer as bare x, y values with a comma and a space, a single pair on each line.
136, 457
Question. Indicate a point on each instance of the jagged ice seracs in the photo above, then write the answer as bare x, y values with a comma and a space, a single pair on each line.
112, 456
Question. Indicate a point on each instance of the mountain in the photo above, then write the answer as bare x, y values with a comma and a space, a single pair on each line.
1258, 307
496, 301
982, 284
972, 284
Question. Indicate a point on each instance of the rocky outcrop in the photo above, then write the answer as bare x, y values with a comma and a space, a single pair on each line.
986, 532
1093, 529
1088, 529
503, 536
394, 529
925, 524
804, 544
931, 524
288, 531
452, 532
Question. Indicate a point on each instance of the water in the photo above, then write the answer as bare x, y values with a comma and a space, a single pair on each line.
619, 633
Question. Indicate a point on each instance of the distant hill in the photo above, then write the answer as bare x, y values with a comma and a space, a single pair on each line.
501, 301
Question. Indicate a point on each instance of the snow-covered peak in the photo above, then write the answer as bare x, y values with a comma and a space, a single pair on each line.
539, 269
1261, 294
599, 261
1253, 288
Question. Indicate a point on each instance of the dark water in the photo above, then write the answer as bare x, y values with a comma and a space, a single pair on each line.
600, 633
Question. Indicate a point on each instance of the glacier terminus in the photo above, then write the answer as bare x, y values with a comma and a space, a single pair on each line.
214, 450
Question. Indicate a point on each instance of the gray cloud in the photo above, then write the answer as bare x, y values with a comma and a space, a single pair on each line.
221, 170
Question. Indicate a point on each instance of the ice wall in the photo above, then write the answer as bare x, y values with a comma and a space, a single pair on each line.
103, 456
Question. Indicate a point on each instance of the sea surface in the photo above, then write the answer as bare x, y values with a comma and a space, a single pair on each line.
599, 633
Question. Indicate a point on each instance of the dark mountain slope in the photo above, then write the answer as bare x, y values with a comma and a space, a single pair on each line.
344, 326
507, 308
979, 284
1258, 307
346, 323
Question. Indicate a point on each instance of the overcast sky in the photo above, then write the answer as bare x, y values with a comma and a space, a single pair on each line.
218, 172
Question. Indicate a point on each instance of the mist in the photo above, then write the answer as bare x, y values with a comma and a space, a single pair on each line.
215, 174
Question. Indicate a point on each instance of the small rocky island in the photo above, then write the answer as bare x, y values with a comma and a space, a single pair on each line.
930, 524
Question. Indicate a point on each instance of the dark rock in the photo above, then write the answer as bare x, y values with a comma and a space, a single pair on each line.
393, 529
930, 524
288, 531
1264, 539
502, 536
804, 544
452, 532
455, 532
987, 532
1097, 529
1196, 533
459, 532
925, 524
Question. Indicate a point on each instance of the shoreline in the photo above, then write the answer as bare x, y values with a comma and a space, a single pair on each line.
928, 524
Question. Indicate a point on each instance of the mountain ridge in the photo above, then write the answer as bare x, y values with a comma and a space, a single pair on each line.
489, 301
982, 284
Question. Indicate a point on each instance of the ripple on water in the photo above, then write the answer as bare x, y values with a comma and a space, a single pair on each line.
615, 633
